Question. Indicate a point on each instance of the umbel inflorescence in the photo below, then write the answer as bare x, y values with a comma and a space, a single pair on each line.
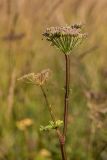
38, 79
65, 38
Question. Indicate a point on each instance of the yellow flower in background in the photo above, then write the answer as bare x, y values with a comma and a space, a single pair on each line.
24, 123
45, 153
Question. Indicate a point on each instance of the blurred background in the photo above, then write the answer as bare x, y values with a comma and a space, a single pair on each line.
22, 107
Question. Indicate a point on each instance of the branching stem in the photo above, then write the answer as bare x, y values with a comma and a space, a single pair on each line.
59, 134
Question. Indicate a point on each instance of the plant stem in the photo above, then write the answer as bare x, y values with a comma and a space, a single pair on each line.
60, 136
66, 99
48, 105
62, 144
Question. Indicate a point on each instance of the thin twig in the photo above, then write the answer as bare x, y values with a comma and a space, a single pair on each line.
47, 104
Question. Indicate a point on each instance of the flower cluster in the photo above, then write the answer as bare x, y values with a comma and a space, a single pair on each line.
65, 38
38, 79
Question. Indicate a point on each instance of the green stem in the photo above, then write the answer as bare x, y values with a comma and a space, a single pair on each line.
48, 105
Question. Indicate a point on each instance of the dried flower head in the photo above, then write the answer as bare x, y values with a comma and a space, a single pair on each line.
28, 77
38, 79
42, 77
65, 38
24, 123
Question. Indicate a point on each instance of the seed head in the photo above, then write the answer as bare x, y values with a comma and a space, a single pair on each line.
42, 77
38, 79
65, 38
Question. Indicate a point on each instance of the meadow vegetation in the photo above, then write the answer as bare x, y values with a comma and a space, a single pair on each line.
22, 106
